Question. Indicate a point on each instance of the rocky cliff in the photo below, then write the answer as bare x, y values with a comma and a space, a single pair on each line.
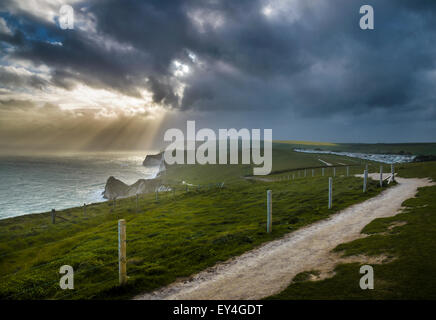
153, 159
117, 189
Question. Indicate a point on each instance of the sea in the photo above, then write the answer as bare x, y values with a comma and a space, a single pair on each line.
384, 158
39, 183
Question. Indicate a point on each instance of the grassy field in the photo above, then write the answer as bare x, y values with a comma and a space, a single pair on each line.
285, 160
172, 237
409, 276
178, 234
306, 143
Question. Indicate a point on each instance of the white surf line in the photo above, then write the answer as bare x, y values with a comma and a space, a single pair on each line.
326, 163
270, 268
343, 164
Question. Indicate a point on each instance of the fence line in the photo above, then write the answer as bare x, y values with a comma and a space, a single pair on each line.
122, 238
114, 202
130, 273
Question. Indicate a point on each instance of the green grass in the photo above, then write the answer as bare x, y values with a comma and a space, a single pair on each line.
285, 160
174, 237
411, 275
306, 143
305, 276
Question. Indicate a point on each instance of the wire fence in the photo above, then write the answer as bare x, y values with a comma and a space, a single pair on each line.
171, 194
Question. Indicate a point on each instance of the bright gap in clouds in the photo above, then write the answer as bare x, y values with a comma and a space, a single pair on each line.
80, 96
180, 69
83, 96
283, 10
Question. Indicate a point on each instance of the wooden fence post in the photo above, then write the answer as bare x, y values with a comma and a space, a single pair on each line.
84, 208
53, 216
330, 192
122, 259
393, 172
381, 176
269, 211
365, 178
157, 195
323, 172
313, 172
305, 171
334, 171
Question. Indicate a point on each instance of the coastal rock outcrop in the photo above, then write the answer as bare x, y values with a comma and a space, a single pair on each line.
155, 160
117, 189
113, 188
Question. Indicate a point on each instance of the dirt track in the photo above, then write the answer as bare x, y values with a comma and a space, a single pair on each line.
271, 267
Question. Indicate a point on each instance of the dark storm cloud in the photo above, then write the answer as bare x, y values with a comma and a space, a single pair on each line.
12, 79
317, 64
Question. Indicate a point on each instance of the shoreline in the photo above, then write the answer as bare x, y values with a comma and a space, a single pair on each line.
36, 185
100, 192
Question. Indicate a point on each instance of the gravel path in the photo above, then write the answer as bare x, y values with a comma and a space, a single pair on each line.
270, 268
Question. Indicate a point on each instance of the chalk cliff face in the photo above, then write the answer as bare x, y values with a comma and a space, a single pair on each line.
154, 160
117, 189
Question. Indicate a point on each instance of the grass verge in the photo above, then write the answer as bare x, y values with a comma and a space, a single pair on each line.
410, 237
172, 237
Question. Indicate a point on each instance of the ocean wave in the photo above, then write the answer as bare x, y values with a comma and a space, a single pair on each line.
384, 158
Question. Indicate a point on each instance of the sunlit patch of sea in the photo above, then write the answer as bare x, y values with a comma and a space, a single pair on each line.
38, 183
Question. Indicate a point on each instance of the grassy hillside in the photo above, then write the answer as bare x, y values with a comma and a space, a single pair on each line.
306, 143
409, 276
284, 160
175, 236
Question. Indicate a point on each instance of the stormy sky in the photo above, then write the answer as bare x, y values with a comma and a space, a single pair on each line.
129, 70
